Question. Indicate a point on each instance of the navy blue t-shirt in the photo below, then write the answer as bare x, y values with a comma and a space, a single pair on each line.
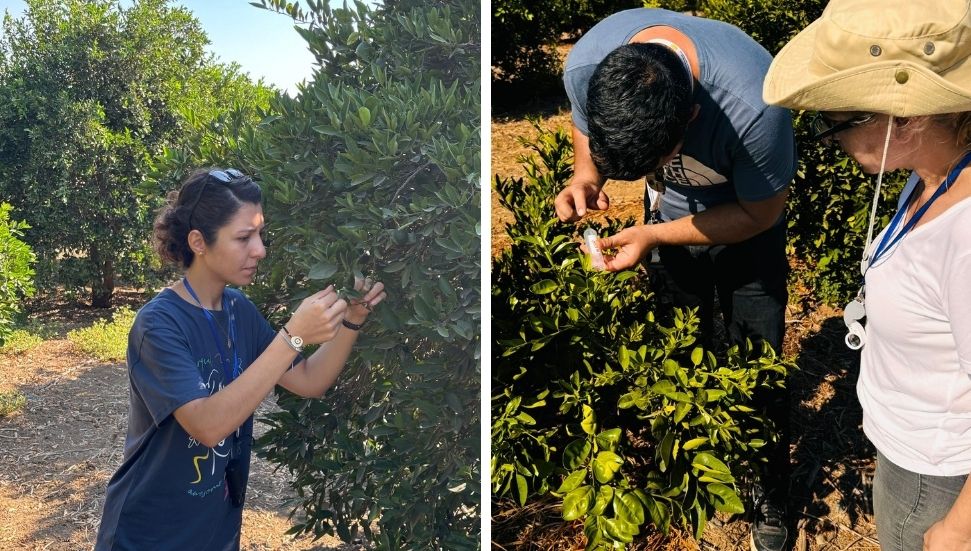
170, 491
738, 148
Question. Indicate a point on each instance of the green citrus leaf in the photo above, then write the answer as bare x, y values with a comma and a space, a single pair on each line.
589, 423
322, 270
606, 465
705, 461
608, 439
620, 530
578, 502
628, 507
725, 499
576, 453
572, 482
604, 496
544, 287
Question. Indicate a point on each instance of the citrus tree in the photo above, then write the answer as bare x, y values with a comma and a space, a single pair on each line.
90, 92
16, 270
373, 169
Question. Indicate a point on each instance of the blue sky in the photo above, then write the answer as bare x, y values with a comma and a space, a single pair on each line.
264, 43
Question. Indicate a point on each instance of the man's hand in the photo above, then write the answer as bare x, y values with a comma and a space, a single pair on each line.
574, 200
631, 244
943, 536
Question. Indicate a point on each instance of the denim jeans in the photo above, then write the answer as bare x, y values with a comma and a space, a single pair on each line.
906, 504
750, 278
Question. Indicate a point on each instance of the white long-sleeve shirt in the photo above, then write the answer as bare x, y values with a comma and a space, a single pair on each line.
915, 375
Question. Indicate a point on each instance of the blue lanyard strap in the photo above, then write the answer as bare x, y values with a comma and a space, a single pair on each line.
887, 243
229, 372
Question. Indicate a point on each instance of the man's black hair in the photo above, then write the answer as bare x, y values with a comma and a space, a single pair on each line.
638, 106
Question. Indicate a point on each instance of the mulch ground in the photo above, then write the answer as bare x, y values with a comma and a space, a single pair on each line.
58, 452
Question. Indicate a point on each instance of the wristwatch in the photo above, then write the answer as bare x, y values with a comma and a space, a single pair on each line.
294, 341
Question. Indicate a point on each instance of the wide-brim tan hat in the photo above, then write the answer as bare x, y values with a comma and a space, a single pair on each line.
899, 57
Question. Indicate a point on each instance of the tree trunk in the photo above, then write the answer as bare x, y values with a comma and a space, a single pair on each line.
103, 285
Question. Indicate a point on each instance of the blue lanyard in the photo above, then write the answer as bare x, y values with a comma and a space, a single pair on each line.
229, 372
886, 243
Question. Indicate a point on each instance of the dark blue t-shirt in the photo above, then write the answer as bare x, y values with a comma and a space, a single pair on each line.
170, 491
738, 148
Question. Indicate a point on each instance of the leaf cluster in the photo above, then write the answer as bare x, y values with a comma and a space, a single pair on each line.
525, 35
16, 270
90, 92
373, 169
600, 393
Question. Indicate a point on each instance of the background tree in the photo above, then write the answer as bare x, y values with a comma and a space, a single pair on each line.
525, 36
89, 93
16, 270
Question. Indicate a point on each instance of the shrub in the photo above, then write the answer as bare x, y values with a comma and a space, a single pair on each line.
525, 35
11, 402
770, 22
602, 396
20, 341
374, 169
16, 270
106, 341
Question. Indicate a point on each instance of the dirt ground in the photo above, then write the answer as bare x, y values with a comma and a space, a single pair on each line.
57, 454
832, 460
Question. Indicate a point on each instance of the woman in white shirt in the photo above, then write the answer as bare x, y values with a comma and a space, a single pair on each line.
891, 81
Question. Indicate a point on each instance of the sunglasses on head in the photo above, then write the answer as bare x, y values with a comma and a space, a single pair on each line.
224, 176
825, 127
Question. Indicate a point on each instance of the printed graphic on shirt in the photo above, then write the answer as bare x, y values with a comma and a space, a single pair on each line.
685, 170
205, 459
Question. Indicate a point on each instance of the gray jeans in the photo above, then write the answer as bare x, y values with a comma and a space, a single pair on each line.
906, 504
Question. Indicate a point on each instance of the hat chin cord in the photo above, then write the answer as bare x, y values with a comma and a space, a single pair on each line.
876, 199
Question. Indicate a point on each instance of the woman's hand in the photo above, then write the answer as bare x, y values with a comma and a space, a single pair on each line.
318, 318
372, 293
943, 536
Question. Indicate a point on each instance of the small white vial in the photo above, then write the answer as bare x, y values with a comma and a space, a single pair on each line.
596, 257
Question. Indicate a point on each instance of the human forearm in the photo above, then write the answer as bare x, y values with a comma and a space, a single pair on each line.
720, 225
960, 514
210, 420
584, 169
313, 377
724, 224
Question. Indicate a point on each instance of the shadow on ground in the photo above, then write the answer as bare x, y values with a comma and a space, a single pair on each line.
832, 459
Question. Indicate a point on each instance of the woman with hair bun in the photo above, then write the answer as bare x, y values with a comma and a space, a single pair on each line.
201, 358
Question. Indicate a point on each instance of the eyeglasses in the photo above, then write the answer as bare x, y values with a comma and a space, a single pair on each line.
824, 127
224, 176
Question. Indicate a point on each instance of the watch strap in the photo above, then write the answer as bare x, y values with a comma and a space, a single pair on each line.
293, 341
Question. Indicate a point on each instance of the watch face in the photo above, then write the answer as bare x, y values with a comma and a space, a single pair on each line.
297, 341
